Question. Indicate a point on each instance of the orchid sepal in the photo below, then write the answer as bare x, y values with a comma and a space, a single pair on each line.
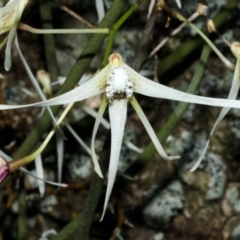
118, 115
150, 130
235, 48
95, 128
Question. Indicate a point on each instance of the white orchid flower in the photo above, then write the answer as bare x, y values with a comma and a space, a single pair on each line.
118, 82
235, 48
10, 16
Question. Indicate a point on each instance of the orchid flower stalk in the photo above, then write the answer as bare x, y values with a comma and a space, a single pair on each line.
235, 48
117, 81
4, 171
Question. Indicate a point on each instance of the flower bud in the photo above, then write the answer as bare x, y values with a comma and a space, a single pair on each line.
203, 9
4, 169
210, 26
115, 60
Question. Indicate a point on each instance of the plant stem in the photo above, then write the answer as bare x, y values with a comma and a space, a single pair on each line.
28, 28
114, 29
22, 224
49, 42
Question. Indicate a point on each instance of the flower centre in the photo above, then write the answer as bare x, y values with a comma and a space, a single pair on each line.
118, 85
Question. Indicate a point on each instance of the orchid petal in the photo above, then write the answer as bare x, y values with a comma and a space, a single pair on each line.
60, 153
100, 9
89, 89
8, 57
150, 8
178, 2
46, 233
107, 3
232, 95
150, 130
40, 174
149, 88
95, 128
118, 114
133, 147
41, 179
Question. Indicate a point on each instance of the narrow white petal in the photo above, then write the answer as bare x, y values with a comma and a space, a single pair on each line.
44, 180
41, 179
40, 174
89, 89
232, 95
150, 130
149, 88
60, 154
179, 3
46, 233
133, 147
107, 3
150, 8
100, 9
32, 78
95, 128
8, 57
118, 114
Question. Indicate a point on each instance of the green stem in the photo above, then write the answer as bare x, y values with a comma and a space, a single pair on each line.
28, 28
174, 119
22, 224
114, 29
49, 42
